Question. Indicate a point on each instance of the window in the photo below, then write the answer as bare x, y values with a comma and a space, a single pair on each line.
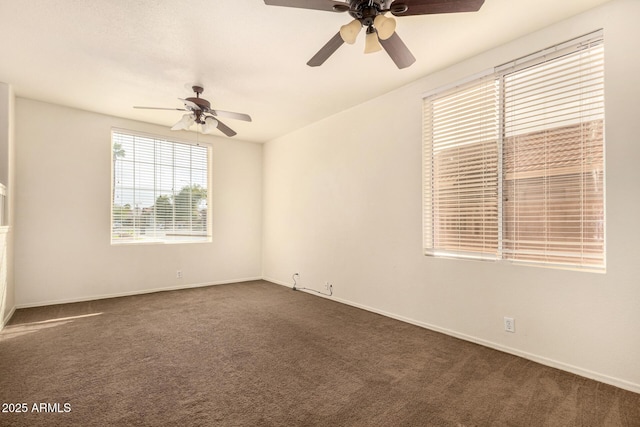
160, 190
514, 161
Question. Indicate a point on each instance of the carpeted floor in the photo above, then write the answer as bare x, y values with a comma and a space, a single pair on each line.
259, 354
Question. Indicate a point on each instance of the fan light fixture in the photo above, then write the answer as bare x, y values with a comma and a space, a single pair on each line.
385, 26
209, 125
350, 31
185, 122
371, 42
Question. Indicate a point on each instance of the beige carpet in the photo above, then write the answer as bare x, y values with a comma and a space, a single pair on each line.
259, 354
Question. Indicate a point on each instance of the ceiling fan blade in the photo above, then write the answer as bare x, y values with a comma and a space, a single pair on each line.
225, 129
231, 115
160, 108
189, 104
398, 51
326, 51
427, 7
327, 5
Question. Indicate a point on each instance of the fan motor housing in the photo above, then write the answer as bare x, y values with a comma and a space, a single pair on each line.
202, 103
365, 10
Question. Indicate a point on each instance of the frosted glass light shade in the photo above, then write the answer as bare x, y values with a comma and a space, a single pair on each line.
209, 124
350, 31
371, 43
385, 26
185, 122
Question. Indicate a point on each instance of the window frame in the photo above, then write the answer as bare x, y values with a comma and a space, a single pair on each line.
498, 74
207, 237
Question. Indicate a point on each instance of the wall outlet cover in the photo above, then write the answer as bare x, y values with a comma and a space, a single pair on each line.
509, 324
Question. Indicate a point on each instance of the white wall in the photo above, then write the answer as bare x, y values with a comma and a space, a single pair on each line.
7, 171
342, 203
62, 247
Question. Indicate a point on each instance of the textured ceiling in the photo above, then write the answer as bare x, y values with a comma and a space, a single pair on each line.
107, 56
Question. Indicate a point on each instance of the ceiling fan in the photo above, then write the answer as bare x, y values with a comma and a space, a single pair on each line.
380, 30
200, 112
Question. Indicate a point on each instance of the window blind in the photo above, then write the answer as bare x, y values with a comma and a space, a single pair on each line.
554, 160
461, 143
159, 190
514, 162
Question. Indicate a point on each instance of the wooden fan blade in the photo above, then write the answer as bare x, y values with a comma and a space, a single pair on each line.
225, 129
231, 115
398, 51
327, 5
326, 51
160, 108
192, 105
427, 7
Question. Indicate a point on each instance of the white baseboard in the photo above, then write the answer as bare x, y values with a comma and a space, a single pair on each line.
136, 292
617, 382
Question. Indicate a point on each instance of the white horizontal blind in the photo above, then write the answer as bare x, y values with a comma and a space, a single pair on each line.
514, 162
553, 150
160, 190
461, 171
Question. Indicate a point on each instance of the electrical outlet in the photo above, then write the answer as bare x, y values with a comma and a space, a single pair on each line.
178, 274
326, 285
509, 324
